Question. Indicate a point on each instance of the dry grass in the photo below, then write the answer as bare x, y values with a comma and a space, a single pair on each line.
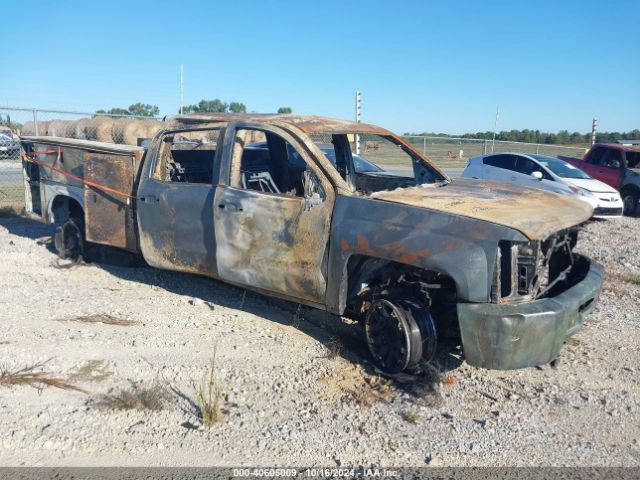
573, 341
631, 278
35, 377
209, 395
135, 398
91, 371
100, 318
411, 416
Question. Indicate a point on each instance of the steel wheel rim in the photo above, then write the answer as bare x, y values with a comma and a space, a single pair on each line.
388, 336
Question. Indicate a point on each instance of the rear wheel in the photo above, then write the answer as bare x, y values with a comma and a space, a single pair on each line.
69, 239
630, 202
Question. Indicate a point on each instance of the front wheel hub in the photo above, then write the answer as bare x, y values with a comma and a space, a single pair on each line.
393, 336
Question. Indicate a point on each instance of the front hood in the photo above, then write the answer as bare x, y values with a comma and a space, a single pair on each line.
535, 213
591, 184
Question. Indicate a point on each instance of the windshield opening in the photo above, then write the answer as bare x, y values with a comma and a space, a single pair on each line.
379, 162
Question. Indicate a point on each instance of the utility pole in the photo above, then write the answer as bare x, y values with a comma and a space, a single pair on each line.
358, 112
594, 129
495, 127
181, 87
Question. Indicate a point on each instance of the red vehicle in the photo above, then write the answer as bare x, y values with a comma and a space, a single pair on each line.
616, 165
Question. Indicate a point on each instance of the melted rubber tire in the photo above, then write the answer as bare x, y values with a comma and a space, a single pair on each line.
422, 317
393, 336
69, 240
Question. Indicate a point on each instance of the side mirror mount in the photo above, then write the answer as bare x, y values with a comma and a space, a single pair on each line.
537, 175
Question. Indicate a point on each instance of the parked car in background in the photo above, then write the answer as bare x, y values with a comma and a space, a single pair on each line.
548, 173
616, 165
9, 143
360, 164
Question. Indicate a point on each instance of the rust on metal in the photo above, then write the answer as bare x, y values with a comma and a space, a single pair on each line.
533, 212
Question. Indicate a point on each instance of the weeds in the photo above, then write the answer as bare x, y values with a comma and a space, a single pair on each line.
209, 395
573, 341
631, 278
135, 398
411, 416
100, 318
91, 371
35, 377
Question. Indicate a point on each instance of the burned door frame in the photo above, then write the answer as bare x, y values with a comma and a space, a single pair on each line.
175, 219
270, 242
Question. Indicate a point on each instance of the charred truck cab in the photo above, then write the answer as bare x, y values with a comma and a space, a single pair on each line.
340, 216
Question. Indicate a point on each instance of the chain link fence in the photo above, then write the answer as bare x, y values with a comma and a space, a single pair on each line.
101, 127
455, 152
446, 152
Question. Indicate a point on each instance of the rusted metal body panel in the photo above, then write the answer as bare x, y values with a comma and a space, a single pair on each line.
273, 243
176, 227
303, 123
462, 247
175, 221
109, 218
535, 213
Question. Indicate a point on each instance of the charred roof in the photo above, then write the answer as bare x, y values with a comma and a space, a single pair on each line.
306, 123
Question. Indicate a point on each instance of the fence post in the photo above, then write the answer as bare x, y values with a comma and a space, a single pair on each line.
484, 147
537, 148
35, 121
424, 145
358, 111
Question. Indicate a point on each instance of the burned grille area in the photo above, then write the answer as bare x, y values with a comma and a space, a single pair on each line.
526, 271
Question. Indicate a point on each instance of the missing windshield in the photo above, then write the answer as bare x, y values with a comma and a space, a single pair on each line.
373, 163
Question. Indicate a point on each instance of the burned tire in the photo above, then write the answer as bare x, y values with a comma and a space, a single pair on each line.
393, 336
69, 239
630, 203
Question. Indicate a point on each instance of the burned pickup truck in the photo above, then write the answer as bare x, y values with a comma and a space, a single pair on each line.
336, 215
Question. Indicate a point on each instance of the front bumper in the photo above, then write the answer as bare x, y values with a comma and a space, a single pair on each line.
508, 336
605, 205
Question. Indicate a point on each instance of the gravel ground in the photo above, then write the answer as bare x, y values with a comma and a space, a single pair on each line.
288, 398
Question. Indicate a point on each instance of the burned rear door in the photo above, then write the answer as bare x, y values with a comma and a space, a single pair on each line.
176, 192
272, 215
109, 216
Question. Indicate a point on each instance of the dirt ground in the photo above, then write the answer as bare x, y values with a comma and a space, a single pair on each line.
138, 342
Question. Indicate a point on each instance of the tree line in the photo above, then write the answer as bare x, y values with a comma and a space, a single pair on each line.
563, 137
203, 106
138, 109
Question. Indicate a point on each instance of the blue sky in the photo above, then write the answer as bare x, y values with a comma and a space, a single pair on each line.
421, 66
